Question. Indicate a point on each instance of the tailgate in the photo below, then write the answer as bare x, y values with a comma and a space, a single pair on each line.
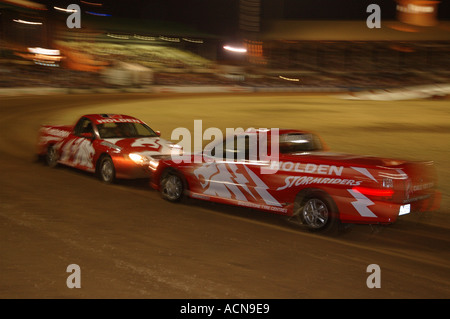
51, 134
419, 184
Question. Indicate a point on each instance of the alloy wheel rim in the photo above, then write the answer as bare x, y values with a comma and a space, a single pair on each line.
315, 213
172, 187
107, 171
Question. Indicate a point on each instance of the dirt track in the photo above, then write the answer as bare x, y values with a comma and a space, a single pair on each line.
130, 243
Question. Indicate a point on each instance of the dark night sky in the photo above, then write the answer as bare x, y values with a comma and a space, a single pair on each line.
335, 10
347, 9
222, 15
293, 9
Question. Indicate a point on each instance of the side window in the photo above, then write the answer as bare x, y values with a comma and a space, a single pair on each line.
239, 148
84, 125
299, 143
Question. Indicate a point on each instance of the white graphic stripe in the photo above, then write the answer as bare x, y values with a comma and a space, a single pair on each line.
365, 172
261, 188
224, 180
361, 204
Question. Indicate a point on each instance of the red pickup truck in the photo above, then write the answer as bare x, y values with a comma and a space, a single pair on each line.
110, 145
319, 187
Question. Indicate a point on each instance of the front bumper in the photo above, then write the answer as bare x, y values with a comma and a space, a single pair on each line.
127, 169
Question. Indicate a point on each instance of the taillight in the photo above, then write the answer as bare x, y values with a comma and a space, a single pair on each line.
374, 191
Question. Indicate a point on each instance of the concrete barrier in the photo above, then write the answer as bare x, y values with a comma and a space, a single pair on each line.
406, 93
416, 92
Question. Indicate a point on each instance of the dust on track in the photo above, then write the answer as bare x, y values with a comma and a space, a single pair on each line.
130, 243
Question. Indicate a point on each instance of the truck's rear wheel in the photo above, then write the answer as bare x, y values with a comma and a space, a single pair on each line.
51, 157
317, 212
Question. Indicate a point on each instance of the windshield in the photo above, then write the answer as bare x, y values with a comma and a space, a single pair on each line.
127, 129
299, 143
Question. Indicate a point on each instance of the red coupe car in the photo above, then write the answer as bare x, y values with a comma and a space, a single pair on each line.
110, 145
319, 187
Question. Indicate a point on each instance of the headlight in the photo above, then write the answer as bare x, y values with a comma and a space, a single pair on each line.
138, 159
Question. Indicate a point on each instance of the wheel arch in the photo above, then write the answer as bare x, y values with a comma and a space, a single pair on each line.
99, 160
53, 162
172, 170
308, 192
167, 194
47, 145
333, 225
43, 149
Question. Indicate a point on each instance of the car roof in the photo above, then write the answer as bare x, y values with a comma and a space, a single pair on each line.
281, 131
99, 118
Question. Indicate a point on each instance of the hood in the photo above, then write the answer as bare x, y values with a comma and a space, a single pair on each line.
147, 146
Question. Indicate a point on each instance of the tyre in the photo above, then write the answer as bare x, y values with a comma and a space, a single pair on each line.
106, 170
51, 157
172, 187
317, 212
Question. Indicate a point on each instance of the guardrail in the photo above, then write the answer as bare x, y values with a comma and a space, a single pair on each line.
424, 91
17, 91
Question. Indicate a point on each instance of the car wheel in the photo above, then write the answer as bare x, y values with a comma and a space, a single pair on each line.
51, 157
106, 171
317, 213
172, 187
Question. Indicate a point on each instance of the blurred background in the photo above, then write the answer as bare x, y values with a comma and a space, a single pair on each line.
393, 92
290, 44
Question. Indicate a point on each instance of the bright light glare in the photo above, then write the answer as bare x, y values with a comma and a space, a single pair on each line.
235, 49
44, 51
65, 10
289, 79
118, 36
169, 39
193, 40
137, 158
27, 22
142, 37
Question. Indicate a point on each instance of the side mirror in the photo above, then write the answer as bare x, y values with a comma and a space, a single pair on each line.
158, 133
88, 136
